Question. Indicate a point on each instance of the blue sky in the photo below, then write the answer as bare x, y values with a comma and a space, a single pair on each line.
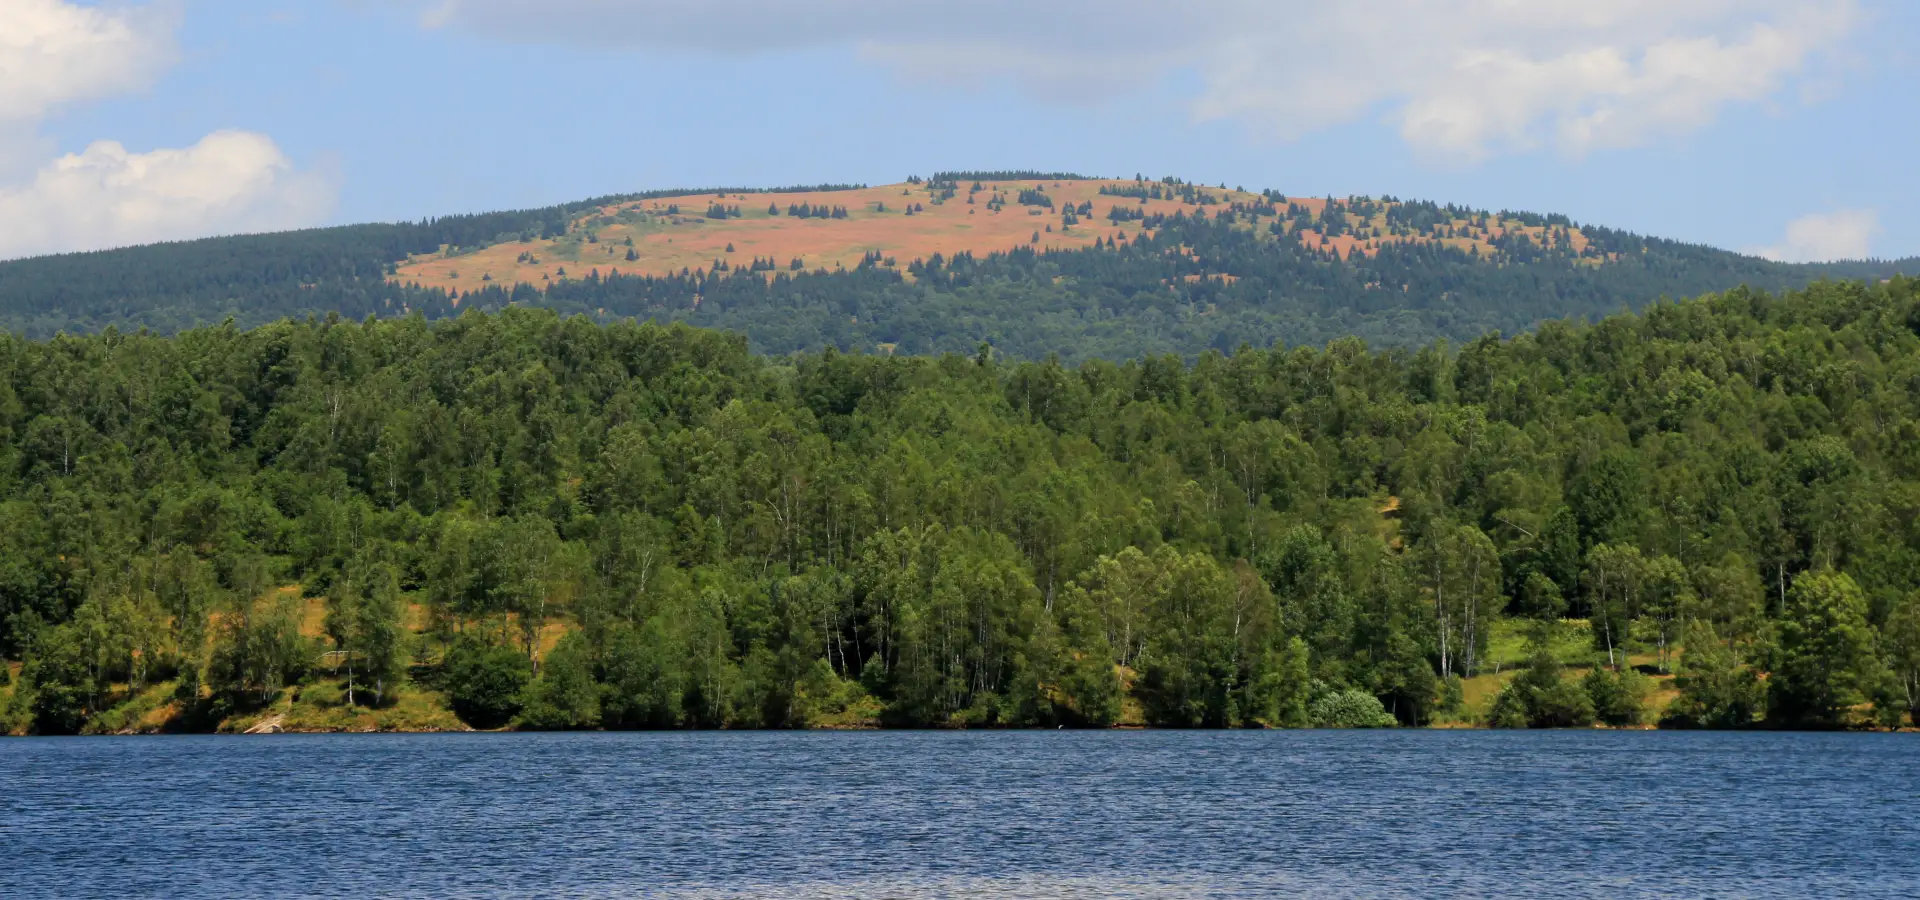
1706, 120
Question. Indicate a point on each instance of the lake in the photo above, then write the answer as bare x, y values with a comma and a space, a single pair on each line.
920, 814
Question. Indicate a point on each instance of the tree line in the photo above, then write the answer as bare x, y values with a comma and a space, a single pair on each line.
1190, 285
560, 523
1124, 298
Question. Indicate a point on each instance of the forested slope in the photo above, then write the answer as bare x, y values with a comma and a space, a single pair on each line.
1154, 267
259, 278
565, 524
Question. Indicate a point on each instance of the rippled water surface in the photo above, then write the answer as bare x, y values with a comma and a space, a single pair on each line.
1053, 814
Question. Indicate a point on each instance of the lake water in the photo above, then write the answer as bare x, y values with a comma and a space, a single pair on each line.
1036, 814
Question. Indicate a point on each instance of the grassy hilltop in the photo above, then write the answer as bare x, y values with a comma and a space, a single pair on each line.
1035, 264
900, 223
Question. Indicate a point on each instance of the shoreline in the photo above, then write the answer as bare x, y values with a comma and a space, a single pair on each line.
276, 729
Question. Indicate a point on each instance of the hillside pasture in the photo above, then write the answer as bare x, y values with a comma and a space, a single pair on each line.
669, 236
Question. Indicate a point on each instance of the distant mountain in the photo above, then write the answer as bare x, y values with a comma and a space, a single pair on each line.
1034, 263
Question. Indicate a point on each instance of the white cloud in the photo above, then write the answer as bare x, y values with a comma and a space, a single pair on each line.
1824, 237
55, 53
1458, 78
231, 181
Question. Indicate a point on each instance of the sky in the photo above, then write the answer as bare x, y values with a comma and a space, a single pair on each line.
1777, 127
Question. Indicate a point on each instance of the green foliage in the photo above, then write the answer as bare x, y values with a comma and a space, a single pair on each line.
485, 682
1453, 696
1458, 566
1066, 675
566, 694
1280, 698
1902, 645
1825, 661
1614, 580
60, 686
259, 648
1190, 662
645, 683
1110, 302
1540, 696
364, 621
1349, 708
1619, 698
1717, 690
735, 540
1607, 499
1541, 598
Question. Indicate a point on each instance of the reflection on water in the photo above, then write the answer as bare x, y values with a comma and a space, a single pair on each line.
1053, 814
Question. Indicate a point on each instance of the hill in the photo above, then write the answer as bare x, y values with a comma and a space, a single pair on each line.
917, 220
1033, 263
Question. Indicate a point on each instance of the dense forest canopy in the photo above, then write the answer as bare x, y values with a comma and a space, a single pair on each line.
1254, 271
560, 523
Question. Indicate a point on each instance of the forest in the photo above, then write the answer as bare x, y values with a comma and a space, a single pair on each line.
1191, 285
258, 278
1704, 514
1257, 273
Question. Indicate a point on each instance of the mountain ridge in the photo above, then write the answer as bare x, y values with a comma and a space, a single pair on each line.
1034, 262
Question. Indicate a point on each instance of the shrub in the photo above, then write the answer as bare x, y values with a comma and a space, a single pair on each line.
1351, 708
566, 694
1540, 698
1619, 698
56, 683
1716, 689
485, 682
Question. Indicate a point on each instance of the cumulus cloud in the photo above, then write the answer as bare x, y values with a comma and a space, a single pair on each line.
1824, 237
55, 53
231, 181
1459, 78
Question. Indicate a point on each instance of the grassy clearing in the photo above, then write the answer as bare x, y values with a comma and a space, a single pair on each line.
854, 709
321, 706
1480, 690
665, 243
1507, 646
670, 234
151, 710
1133, 711
1571, 645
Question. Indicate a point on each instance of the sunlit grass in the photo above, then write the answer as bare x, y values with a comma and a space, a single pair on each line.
321, 705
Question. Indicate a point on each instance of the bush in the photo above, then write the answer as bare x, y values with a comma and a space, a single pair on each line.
565, 695
1619, 698
485, 682
1453, 695
1509, 710
1351, 708
57, 683
1716, 689
1540, 698
644, 677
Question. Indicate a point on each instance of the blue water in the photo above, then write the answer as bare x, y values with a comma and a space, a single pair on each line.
1043, 814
